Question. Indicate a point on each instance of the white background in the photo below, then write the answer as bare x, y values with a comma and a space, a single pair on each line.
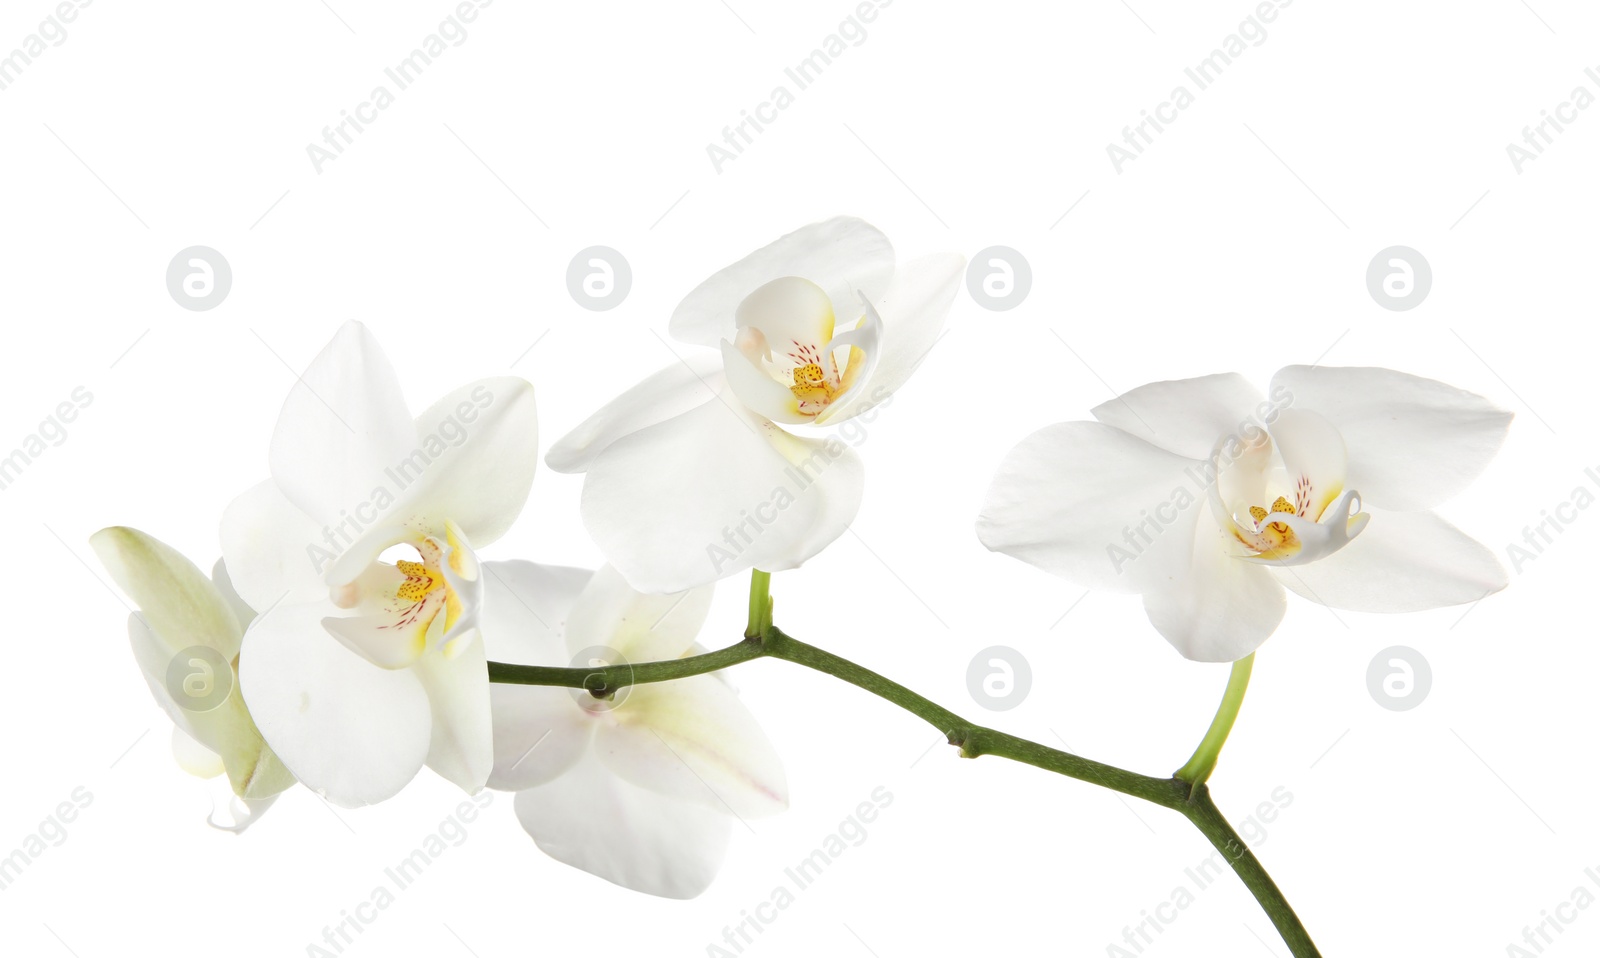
1238, 241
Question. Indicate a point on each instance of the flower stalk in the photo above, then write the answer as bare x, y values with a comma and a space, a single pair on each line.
760, 604
1204, 759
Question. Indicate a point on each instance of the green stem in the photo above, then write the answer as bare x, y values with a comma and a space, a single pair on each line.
1204, 814
1204, 759
973, 739
1188, 798
605, 681
760, 604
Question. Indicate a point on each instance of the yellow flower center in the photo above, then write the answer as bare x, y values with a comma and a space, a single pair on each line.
425, 592
1274, 537
419, 581
811, 386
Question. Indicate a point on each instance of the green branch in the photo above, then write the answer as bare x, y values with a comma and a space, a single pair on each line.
1203, 813
1189, 797
973, 739
606, 680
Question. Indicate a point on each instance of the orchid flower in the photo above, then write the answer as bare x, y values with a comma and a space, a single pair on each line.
359, 670
1209, 500
184, 616
689, 477
640, 789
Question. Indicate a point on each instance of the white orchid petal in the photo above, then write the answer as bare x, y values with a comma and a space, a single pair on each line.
194, 758
274, 552
350, 731
1222, 608
472, 465
842, 256
651, 843
912, 313
1402, 562
463, 577
364, 551
377, 639
241, 609
525, 608
863, 348
1095, 505
344, 422
714, 492
1314, 458
666, 394
693, 738
1413, 442
1242, 467
479, 449
1187, 416
641, 627
539, 732
461, 747
790, 312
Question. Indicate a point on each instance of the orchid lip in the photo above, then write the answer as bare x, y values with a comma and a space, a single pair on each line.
1288, 532
784, 362
1340, 523
413, 605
